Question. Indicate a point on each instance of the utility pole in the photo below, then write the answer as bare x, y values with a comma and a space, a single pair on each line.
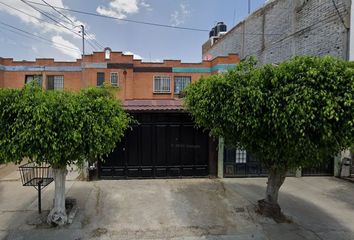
83, 39
249, 6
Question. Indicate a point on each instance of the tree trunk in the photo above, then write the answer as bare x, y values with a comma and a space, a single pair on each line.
269, 206
57, 215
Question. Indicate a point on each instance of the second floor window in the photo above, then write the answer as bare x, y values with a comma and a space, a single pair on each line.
114, 79
30, 78
55, 83
181, 82
162, 84
100, 78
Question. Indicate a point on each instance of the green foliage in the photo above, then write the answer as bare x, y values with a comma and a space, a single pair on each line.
290, 115
59, 127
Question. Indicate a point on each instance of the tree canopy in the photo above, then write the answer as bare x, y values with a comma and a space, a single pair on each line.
290, 115
59, 127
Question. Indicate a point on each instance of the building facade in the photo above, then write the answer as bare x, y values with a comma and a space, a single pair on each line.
165, 143
284, 28
275, 32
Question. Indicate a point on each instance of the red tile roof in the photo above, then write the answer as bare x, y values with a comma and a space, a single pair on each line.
153, 105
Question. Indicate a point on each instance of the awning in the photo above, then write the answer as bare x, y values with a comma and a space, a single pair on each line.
153, 105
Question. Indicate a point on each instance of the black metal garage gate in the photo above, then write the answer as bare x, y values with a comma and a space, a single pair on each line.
162, 145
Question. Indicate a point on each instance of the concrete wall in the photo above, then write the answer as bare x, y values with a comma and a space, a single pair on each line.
284, 28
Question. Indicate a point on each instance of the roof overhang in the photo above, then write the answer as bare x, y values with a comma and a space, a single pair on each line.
153, 105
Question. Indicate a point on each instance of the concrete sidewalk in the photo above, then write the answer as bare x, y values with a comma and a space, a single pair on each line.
321, 208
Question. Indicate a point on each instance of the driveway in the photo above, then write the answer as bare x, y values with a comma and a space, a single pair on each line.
320, 208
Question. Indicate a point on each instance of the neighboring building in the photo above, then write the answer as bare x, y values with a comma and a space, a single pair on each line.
165, 143
273, 33
283, 28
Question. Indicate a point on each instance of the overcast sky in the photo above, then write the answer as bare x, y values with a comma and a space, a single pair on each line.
145, 41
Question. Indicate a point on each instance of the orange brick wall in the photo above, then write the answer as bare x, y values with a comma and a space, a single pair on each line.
132, 85
1, 79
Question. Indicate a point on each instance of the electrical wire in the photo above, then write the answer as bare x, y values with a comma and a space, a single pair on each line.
36, 37
140, 22
310, 27
339, 15
94, 41
61, 25
39, 19
47, 15
91, 37
125, 20
59, 12
23, 12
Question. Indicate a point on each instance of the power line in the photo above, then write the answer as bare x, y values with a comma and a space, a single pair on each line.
73, 24
310, 28
47, 15
59, 12
339, 15
39, 19
141, 22
34, 36
23, 12
24, 35
91, 37
61, 25
125, 20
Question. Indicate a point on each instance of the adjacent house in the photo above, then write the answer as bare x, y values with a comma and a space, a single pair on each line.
273, 33
166, 142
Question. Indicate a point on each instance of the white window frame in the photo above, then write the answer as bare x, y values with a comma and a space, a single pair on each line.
184, 78
160, 90
36, 77
110, 79
107, 54
56, 78
240, 156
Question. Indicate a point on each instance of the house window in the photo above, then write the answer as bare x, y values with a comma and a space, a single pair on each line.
181, 82
107, 54
55, 83
114, 79
100, 78
30, 78
241, 156
162, 84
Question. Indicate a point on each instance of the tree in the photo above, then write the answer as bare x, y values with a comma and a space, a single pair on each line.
59, 128
288, 116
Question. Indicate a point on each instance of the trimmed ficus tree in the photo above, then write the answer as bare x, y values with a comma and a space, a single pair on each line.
59, 128
290, 115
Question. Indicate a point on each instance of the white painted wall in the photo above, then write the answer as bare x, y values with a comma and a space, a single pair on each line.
351, 47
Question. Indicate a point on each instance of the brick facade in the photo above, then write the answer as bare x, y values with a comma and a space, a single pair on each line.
135, 77
284, 28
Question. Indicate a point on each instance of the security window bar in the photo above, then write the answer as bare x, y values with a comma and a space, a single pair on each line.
181, 82
162, 84
114, 79
55, 83
30, 78
240, 156
100, 78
